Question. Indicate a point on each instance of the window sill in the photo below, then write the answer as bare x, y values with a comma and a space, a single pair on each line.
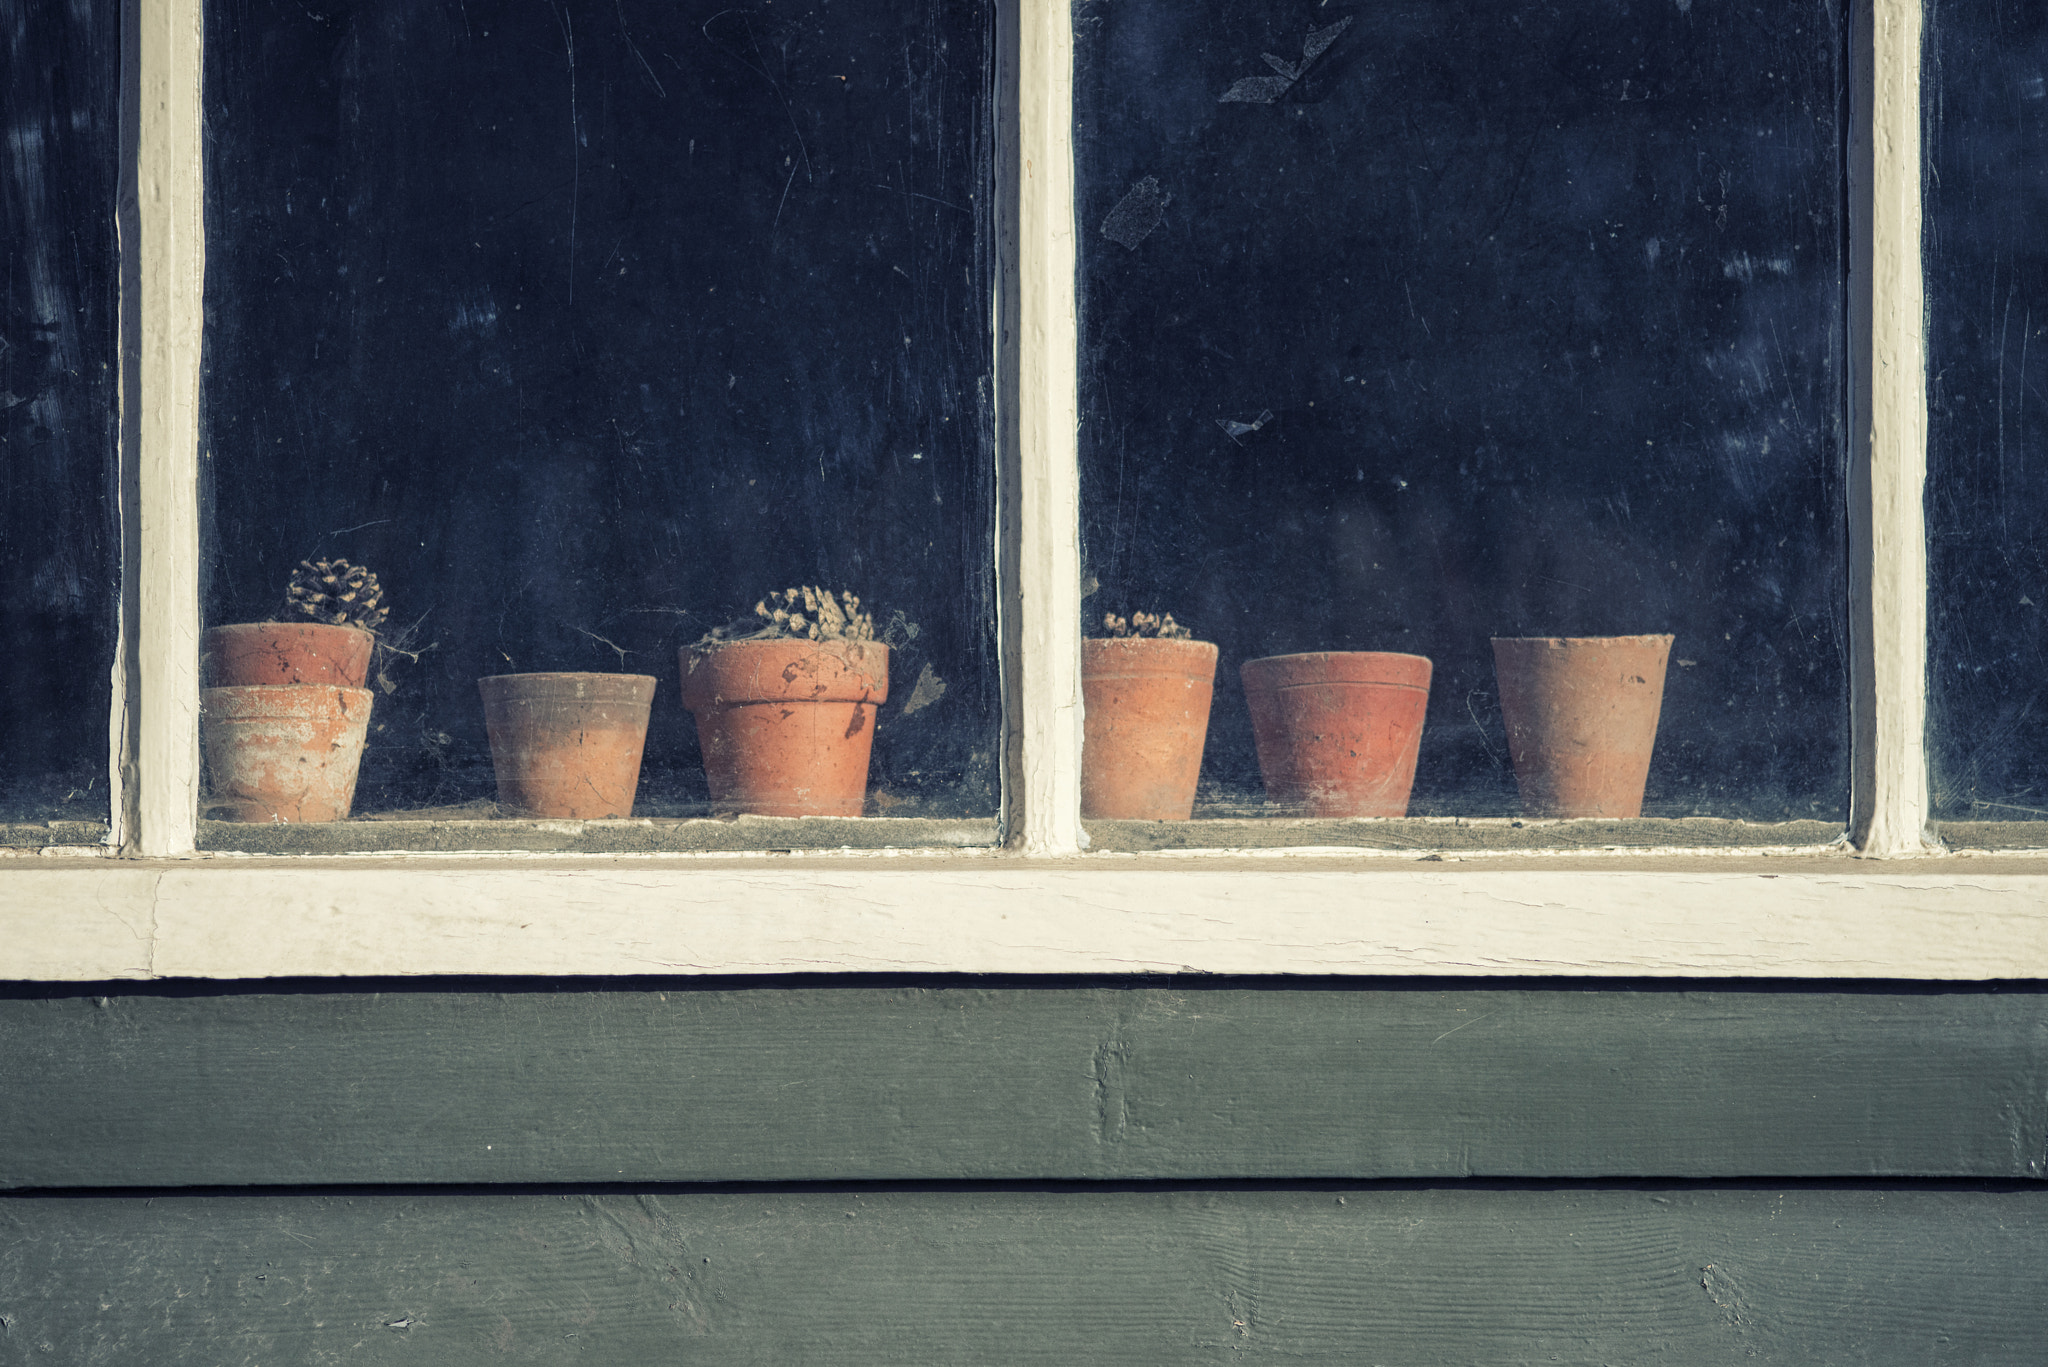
1622, 915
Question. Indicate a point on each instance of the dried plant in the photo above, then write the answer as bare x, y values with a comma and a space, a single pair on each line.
1145, 624
337, 593
802, 614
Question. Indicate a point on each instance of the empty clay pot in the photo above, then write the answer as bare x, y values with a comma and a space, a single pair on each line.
1146, 718
787, 726
567, 745
1581, 714
286, 653
284, 752
1338, 731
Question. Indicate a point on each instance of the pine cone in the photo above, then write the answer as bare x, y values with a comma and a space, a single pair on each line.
337, 593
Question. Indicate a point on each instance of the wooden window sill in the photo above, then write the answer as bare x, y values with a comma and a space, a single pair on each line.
1618, 915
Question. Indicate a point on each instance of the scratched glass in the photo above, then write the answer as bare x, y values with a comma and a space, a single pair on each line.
586, 325
59, 280
1415, 326
1986, 91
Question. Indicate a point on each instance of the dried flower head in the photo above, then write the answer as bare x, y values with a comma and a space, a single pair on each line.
337, 593
1145, 624
811, 614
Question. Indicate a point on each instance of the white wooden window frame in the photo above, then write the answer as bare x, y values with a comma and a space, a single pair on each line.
149, 906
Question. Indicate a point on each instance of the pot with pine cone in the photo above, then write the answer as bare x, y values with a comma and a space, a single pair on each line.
785, 703
1145, 692
327, 635
286, 714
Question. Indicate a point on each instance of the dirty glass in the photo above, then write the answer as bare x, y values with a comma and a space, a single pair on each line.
1414, 325
1986, 110
59, 280
585, 325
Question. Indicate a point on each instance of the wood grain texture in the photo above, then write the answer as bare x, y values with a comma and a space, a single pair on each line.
913, 1082
1589, 916
1374, 1276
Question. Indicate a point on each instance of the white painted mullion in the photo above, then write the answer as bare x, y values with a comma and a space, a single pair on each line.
168, 268
1049, 486
1894, 791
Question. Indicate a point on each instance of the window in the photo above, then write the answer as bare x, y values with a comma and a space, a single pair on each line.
59, 290
1986, 485
1038, 907
1401, 332
586, 328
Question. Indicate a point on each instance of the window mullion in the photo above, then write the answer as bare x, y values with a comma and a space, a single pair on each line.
1890, 419
163, 273
1047, 798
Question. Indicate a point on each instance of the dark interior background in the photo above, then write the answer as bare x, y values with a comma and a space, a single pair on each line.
59, 281
601, 318
1985, 94
1529, 320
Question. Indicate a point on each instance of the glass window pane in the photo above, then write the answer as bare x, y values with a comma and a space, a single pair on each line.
1413, 327
59, 283
1987, 499
586, 325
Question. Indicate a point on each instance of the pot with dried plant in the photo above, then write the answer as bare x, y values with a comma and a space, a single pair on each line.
785, 702
1146, 686
286, 712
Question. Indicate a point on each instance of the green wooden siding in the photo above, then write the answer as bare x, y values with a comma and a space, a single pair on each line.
1400, 1278
834, 1083
994, 1172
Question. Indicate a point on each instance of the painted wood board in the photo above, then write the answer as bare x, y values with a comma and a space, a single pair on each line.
1389, 1277
668, 1083
1590, 916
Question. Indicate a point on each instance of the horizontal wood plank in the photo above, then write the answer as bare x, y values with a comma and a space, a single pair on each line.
920, 1082
1578, 916
1390, 1277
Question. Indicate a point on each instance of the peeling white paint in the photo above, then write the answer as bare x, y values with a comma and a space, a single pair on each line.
1896, 616
1752, 917
170, 260
1047, 794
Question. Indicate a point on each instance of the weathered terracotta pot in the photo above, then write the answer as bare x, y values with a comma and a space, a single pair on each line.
1338, 731
1146, 717
787, 726
1581, 714
286, 653
567, 745
283, 752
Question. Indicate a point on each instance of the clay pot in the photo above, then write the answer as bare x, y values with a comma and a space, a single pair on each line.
567, 745
1146, 717
286, 653
1581, 714
1338, 731
284, 752
787, 726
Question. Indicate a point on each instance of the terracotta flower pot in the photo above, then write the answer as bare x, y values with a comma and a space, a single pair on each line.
1147, 715
567, 745
284, 752
286, 653
787, 726
1581, 714
1338, 731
